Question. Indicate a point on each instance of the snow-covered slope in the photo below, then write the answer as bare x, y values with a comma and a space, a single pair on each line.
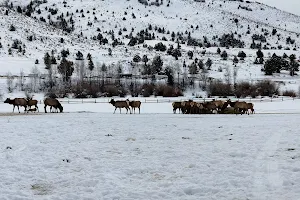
206, 22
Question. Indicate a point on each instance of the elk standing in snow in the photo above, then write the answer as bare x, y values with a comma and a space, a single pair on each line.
17, 102
120, 104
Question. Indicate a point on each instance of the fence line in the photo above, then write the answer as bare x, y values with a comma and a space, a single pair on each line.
169, 100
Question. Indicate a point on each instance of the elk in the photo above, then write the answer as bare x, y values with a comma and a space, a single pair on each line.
241, 107
17, 102
120, 104
186, 107
250, 107
135, 104
209, 107
219, 104
52, 103
176, 105
34, 103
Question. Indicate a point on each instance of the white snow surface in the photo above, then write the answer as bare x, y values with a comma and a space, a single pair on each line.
90, 153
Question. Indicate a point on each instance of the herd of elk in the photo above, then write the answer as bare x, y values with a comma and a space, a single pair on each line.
186, 107
128, 105
28, 103
214, 106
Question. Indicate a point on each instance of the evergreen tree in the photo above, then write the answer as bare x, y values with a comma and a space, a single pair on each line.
200, 64
293, 65
157, 64
275, 64
224, 55
193, 69
66, 69
137, 59
53, 59
190, 54
90, 62
79, 56
242, 55
235, 60
12, 28
169, 73
47, 60
208, 63
259, 54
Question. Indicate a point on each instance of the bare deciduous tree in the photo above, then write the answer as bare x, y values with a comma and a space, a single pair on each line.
10, 82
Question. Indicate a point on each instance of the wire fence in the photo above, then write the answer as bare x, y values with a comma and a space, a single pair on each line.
171, 100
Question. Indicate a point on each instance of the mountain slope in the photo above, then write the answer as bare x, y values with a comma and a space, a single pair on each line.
88, 24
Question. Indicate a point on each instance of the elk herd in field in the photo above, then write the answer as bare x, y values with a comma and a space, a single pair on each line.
213, 107
185, 107
28, 103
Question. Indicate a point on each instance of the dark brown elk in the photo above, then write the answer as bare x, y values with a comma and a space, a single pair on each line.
241, 107
32, 102
186, 107
135, 104
231, 103
250, 107
200, 107
219, 104
53, 103
196, 107
120, 104
176, 105
17, 102
210, 107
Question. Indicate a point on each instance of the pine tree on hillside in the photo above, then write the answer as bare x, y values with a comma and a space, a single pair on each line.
259, 54
66, 69
47, 60
157, 64
193, 69
169, 73
224, 55
208, 63
90, 62
79, 56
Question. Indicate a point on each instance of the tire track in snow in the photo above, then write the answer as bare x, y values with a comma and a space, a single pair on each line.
267, 179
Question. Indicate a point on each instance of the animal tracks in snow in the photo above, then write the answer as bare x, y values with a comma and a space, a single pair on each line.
267, 179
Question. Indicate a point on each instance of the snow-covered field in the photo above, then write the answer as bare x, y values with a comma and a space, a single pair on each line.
90, 153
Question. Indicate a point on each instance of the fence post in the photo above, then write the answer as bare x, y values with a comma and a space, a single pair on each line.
68, 101
95, 100
282, 98
81, 100
271, 99
157, 100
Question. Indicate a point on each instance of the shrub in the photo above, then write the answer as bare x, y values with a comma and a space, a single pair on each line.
217, 88
289, 93
267, 88
245, 89
147, 90
167, 91
111, 90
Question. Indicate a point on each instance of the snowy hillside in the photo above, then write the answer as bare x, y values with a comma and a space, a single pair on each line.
130, 28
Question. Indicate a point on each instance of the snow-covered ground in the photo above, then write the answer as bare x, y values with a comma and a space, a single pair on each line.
149, 156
